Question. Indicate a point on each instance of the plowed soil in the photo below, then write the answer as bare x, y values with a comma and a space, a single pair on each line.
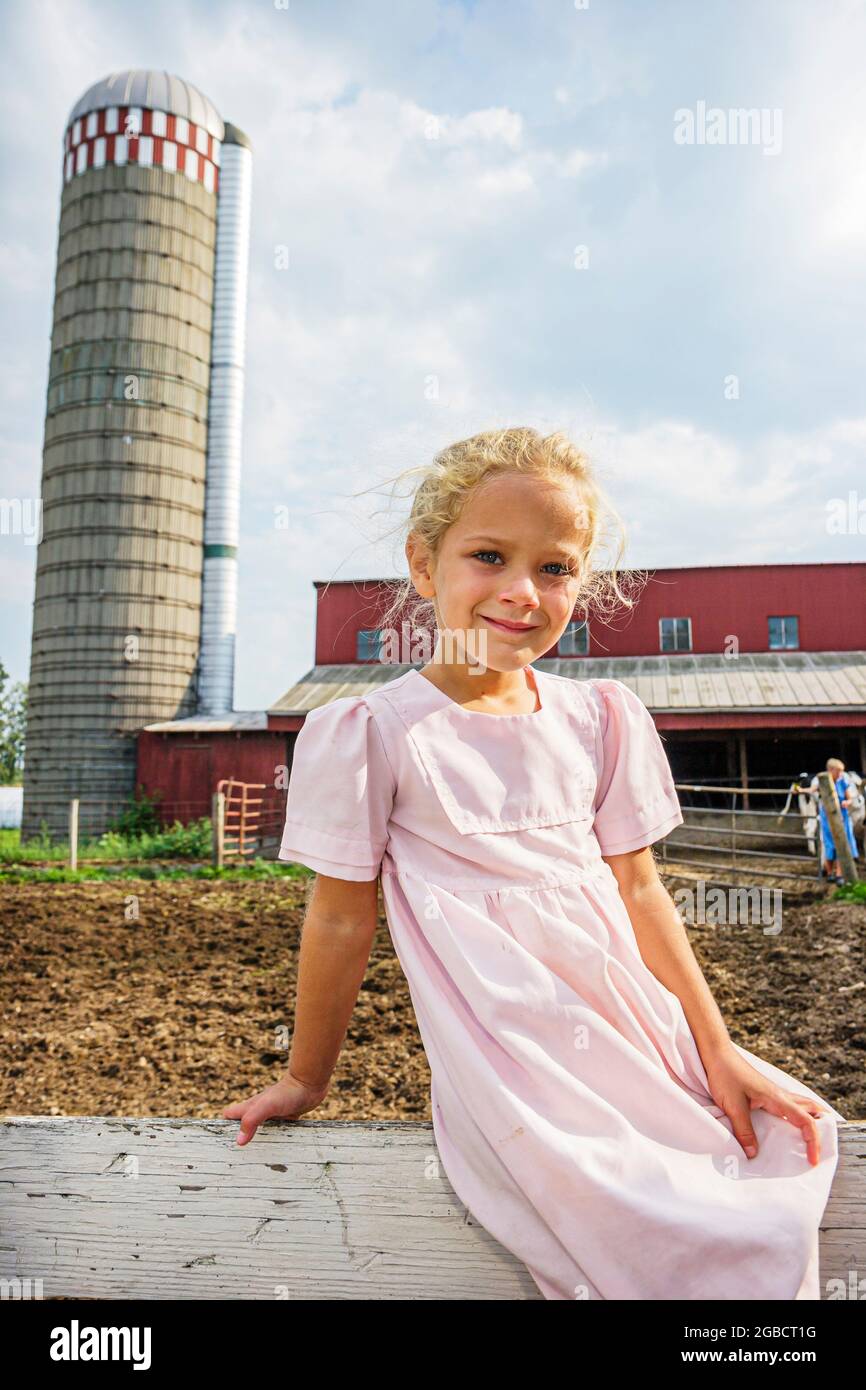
180, 1010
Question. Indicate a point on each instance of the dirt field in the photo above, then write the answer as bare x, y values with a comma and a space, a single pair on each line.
178, 1013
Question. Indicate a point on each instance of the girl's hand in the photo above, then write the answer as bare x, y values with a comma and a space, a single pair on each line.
285, 1100
738, 1088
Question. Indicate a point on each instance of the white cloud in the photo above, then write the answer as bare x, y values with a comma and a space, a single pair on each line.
431, 196
486, 126
821, 182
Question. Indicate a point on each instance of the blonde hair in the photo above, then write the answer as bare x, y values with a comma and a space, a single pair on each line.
446, 484
835, 762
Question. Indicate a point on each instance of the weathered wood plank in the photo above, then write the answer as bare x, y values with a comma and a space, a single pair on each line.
175, 1209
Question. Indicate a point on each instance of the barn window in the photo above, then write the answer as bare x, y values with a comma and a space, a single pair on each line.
575, 640
783, 632
368, 644
675, 634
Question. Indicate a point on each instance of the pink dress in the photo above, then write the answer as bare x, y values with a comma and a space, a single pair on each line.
569, 1101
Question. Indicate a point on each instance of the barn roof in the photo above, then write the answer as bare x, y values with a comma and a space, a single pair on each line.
686, 683
236, 720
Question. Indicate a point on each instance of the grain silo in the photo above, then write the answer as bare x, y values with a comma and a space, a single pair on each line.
134, 609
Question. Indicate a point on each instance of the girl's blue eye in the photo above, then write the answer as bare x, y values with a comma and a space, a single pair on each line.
555, 564
478, 553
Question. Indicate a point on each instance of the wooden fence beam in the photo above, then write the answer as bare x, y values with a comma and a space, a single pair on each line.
115, 1208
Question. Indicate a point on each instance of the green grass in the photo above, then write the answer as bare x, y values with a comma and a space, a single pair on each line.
123, 855
176, 841
250, 871
851, 892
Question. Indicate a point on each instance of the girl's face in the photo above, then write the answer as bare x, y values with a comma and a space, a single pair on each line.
508, 569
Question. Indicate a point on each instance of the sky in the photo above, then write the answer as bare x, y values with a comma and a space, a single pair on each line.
433, 169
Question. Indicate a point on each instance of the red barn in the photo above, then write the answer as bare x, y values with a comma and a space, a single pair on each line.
753, 674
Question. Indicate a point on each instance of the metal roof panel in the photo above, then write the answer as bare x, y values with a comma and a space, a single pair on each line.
704, 683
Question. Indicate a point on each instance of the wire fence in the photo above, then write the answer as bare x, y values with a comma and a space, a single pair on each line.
89, 829
767, 831
743, 834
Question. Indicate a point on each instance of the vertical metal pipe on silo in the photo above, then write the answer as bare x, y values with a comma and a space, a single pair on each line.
215, 691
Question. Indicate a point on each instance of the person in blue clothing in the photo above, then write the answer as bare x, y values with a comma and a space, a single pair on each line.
846, 793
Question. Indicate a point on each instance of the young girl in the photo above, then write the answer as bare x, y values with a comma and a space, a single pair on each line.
589, 1106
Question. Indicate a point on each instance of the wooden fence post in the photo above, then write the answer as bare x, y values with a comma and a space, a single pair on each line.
218, 822
73, 833
744, 771
830, 802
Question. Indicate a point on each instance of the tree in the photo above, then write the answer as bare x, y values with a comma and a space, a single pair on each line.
13, 725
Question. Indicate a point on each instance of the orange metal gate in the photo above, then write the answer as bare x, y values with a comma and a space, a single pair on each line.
242, 819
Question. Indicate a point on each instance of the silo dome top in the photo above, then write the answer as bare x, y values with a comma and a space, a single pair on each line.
161, 91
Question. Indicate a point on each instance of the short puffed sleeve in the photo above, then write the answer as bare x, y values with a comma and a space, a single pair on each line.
636, 801
341, 791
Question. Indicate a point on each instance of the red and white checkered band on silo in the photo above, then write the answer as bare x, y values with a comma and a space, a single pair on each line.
136, 135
